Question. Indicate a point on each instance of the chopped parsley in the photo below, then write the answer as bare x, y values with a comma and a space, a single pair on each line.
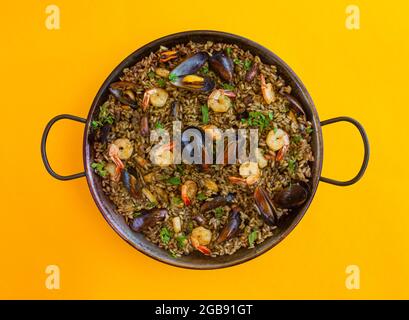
104, 117
309, 130
257, 118
174, 181
205, 114
201, 196
205, 69
228, 51
296, 138
237, 61
252, 237
172, 77
161, 83
181, 241
151, 74
165, 235
292, 163
176, 201
99, 168
227, 86
218, 212
247, 64
158, 125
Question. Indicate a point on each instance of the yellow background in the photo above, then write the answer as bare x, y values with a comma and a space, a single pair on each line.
362, 74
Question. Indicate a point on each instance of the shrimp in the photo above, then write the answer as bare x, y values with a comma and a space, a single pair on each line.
278, 140
267, 90
168, 55
188, 192
113, 154
163, 156
156, 97
219, 100
200, 238
250, 174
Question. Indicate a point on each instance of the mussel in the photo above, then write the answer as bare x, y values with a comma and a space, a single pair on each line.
104, 132
251, 73
184, 74
232, 225
216, 202
222, 65
124, 92
190, 65
132, 180
291, 197
192, 143
194, 82
295, 105
147, 219
265, 206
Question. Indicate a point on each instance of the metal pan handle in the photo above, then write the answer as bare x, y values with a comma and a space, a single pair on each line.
44, 145
366, 151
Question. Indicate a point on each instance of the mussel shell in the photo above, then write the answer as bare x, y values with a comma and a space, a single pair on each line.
175, 110
222, 65
147, 219
133, 181
291, 197
191, 65
205, 85
232, 225
192, 138
117, 89
295, 105
104, 132
265, 206
216, 202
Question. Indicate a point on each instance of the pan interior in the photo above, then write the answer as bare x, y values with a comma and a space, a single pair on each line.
197, 260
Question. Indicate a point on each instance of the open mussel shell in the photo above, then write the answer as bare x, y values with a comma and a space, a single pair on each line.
124, 92
295, 104
132, 180
194, 82
232, 225
222, 65
291, 197
147, 219
191, 65
218, 201
265, 206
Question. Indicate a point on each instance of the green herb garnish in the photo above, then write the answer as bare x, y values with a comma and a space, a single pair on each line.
228, 51
165, 235
292, 164
205, 114
181, 240
227, 86
201, 196
151, 74
297, 138
218, 212
247, 64
176, 201
99, 168
270, 115
252, 237
158, 125
237, 61
205, 69
136, 214
275, 129
172, 77
174, 180
309, 130
161, 83
104, 117
256, 118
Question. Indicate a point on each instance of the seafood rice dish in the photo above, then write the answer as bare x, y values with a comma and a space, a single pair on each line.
166, 147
